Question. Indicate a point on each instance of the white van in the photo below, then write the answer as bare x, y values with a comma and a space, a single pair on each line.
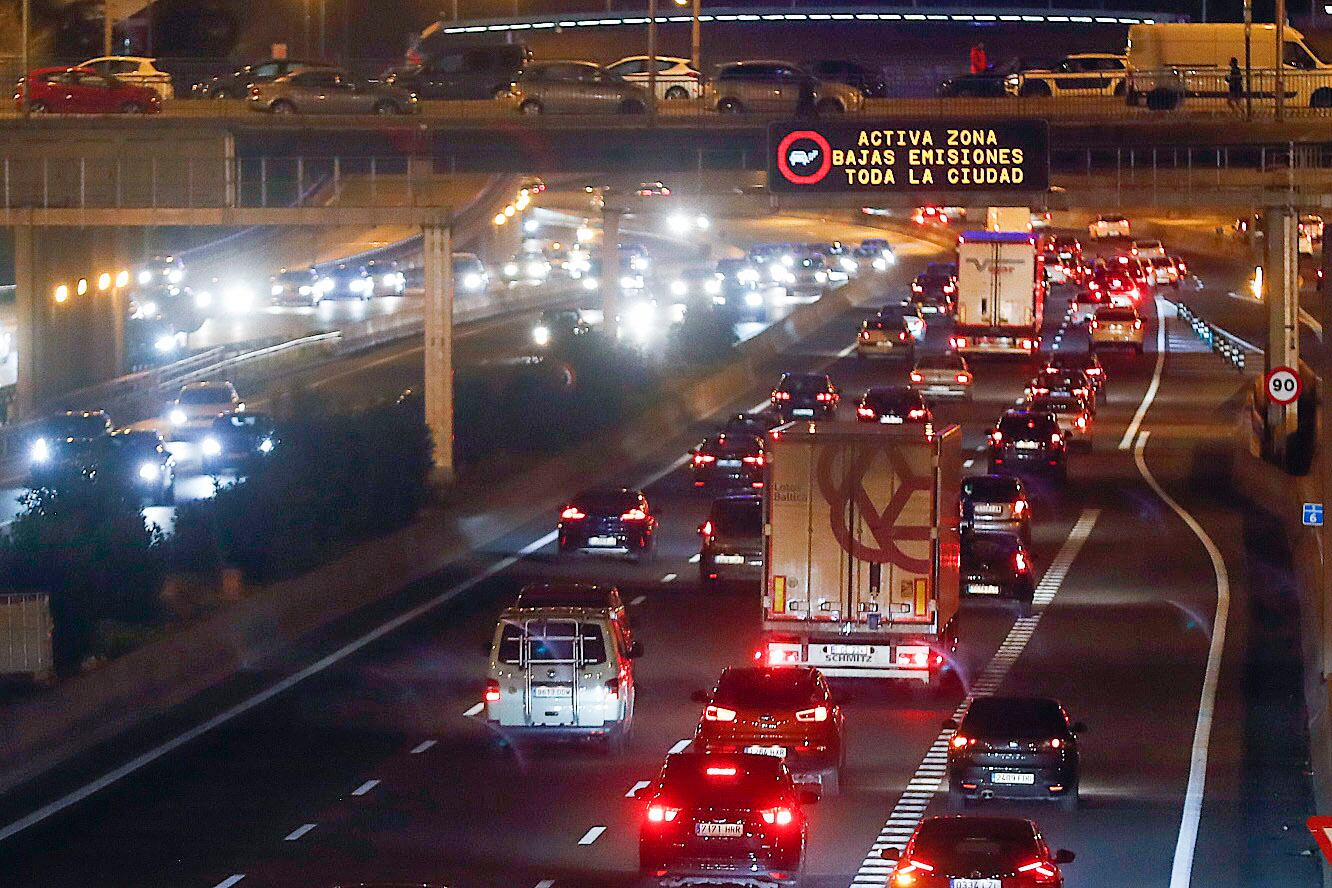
563, 672
1192, 59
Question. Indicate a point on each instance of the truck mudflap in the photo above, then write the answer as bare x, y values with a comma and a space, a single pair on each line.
910, 658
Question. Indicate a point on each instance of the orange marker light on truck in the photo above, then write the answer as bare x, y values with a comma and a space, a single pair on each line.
779, 594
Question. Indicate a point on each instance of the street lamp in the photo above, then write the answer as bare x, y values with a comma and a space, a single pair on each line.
61, 293
103, 281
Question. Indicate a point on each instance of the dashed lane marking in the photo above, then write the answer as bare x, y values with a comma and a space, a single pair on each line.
681, 745
968, 464
592, 835
299, 831
365, 787
546, 883
474, 709
636, 788
929, 776
229, 881
669, 578
426, 744
694, 559
638, 600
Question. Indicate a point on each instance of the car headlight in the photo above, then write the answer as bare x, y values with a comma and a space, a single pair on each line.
747, 276
537, 269
305, 290
145, 277
471, 281
511, 269
40, 451
165, 343
712, 287
638, 263
677, 223
849, 265
703, 223
753, 300
203, 299
390, 280
149, 471
821, 277
148, 310
276, 290
211, 447
788, 260
358, 285
679, 288
238, 298
325, 284
175, 276
678, 310
178, 417
541, 335
266, 445
589, 283
881, 264
1011, 80
631, 282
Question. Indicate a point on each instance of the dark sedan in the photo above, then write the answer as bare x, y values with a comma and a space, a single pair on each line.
732, 540
996, 564
615, 520
140, 462
236, 85
895, 405
1026, 439
805, 396
1014, 748
728, 459
346, 282
237, 441
63, 445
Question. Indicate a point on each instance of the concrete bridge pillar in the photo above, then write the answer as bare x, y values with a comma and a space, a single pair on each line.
66, 339
610, 268
1282, 294
438, 389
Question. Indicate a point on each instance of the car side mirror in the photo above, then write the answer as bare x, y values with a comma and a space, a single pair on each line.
701, 697
890, 854
809, 795
1079, 728
635, 650
950, 724
1063, 855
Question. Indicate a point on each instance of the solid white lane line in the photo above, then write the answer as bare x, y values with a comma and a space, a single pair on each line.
637, 601
669, 578
474, 709
694, 559
968, 464
1181, 872
681, 745
637, 787
662, 473
299, 831
426, 744
365, 787
592, 835
229, 881
1132, 430
929, 777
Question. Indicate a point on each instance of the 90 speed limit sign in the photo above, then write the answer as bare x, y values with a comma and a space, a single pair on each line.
1283, 385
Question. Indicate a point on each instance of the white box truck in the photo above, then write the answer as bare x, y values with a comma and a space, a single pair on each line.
1008, 219
1174, 60
862, 550
1000, 293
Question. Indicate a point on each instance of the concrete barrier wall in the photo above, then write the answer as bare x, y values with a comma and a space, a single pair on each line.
38, 735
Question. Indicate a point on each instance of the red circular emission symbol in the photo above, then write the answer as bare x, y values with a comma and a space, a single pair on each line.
1282, 385
784, 165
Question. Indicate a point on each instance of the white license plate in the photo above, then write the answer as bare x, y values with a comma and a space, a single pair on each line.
982, 589
1027, 445
988, 509
724, 830
891, 420
602, 541
1011, 778
729, 559
551, 691
774, 751
975, 883
802, 411
729, 463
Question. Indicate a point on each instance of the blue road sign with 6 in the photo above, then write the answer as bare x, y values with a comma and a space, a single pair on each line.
1313, 515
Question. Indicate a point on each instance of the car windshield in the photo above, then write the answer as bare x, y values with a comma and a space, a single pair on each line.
1015, 716
1117, 315
745, 782
735, 443
975, 844
1026, 426
208, 395
738, 517
893, 400
805, 385
132, 444
551, 641
780, 688
606, 502
75, 426
991, 488
942, 362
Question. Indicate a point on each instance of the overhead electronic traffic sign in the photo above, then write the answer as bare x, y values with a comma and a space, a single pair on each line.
1282, 385
906, 156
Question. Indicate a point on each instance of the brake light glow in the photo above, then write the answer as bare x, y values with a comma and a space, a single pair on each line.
1056, 743
720, 771
756, 460
997, 436
1137, 325
1093, 371
634, 514
865, 412
817, 714
1019, 508
1028, 344
719, 714
573, 513
915, 413
958, 342
905, 876
781, 654
1039, 868
706, 529
492, 691
1095, 324
824, 396
960, 741
1056, 438
964, 378
865, 335
661, 813
1019, 562
701, 459
778, 816
917, 377
1081, 422
902, 336
781, 396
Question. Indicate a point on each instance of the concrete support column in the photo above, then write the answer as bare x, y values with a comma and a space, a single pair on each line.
438, 268
610, 268
32, 316
1282, 294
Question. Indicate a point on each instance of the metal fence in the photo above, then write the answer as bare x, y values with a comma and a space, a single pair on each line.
1219, 341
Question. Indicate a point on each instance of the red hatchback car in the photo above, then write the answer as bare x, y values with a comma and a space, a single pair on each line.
83, 91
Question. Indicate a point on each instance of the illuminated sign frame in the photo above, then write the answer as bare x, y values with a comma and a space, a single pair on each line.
903, 156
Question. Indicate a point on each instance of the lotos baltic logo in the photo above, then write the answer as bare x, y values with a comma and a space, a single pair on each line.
804, 157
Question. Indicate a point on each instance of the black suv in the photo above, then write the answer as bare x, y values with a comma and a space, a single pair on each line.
721, 459
732, 540
1025, 438
805, 396
996, 564
474, 72
1014, 748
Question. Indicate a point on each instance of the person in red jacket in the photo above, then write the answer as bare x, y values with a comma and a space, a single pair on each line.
979, 64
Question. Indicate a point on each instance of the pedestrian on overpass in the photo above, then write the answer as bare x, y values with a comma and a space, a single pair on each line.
979, 63
1234, 85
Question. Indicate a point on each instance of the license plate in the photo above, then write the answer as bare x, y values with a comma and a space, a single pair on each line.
988, 509
774, 751
602, 541
729, 463
721, 830
982, 589
729, 559
551, 691
803, 411
891, 420
1011, 778
974, 883
1027, 445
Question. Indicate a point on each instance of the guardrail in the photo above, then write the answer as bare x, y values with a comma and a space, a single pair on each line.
1229, 347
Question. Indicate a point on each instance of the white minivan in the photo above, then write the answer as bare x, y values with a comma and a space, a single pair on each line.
562, 667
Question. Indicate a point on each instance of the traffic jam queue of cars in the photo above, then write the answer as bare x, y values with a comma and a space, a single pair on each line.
770, 735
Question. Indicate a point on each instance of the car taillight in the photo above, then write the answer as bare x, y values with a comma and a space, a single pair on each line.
1055, 743
948, 288
865, 412
1093, 286
573, 513
492, 691
706, 529
917, 288
1137, 325
633, 515
718, 714
1056, 438
254, 91
997, 437
781, 396
817, 714
613, 688
1028, 344
865, 335
1042, 870
1019, 562
782, 654
959, 741
905, 876
720, 771
1081, 422
657, 813
916, 413
756, 460
917, 377
824, 396
964, 378
902, 336
1095, 324
958, 342
1019, 508
778, 816
701, 459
